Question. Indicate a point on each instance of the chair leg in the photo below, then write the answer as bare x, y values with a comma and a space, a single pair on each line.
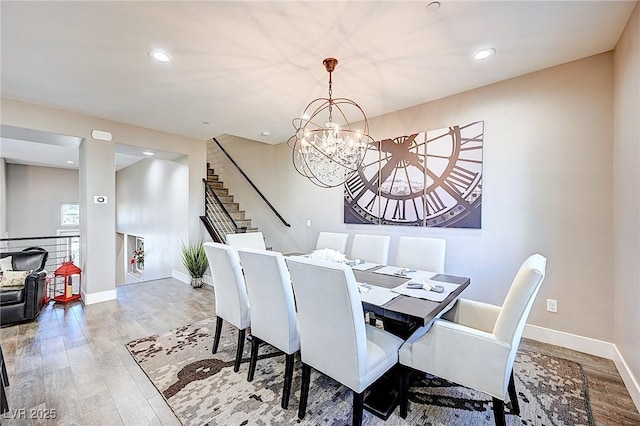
372, 319
216, 337
404, 391
304, 390
358, 406
241, 337
4, 404
498, 412
288, 379
513, 396
5, 376
255, 345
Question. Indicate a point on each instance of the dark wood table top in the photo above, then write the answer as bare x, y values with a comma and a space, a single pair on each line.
411, 311
405, 308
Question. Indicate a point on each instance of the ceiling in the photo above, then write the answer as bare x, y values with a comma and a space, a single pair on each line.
243, 68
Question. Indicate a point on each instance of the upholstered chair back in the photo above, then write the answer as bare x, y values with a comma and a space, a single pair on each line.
517, 305
371, 248
423, 253
332, 240
273, 315
330, 318
253, 240
228, 281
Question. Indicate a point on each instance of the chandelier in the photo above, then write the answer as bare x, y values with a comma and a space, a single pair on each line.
326, 148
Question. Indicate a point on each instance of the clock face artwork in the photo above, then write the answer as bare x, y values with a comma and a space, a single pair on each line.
424, 179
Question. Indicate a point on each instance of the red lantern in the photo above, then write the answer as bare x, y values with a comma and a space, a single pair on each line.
64, 276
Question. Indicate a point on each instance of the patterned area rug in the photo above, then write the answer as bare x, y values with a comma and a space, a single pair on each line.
202, 388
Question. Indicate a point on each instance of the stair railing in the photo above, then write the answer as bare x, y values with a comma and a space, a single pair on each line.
217, 217
284, 222
61, 248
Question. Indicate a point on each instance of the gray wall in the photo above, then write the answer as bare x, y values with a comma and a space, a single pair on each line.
627, 195
152, 202
3, 198
34, 196
21, 114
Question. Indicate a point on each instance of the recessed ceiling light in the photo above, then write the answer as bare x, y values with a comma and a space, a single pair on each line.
484, 54
159, 55
148, 153
433, 6
265, 134
69, 162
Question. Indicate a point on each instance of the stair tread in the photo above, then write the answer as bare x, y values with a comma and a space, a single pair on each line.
232, 207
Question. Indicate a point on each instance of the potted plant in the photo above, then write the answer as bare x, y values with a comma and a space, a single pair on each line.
195, 261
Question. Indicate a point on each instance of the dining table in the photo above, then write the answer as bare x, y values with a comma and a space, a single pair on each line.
402, 315
385, 296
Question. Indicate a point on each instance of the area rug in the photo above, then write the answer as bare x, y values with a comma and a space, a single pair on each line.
202, 388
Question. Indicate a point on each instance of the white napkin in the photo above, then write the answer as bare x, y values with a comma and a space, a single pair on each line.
364, 266
375, 295
426, 293
398, 271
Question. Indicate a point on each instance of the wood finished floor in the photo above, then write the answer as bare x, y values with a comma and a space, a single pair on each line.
73, 359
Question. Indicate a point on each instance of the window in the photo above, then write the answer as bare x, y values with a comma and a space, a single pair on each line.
70, 214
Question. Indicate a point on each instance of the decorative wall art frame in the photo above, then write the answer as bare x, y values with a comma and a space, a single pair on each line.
431, 179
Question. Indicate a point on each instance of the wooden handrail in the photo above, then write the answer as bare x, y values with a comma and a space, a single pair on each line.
252, 184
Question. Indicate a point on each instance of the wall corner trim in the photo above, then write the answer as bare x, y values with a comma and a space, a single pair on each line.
630, 382
102, 296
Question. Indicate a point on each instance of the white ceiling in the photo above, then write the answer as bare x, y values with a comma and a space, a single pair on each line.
248, 67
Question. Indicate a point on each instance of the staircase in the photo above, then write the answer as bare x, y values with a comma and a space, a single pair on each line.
218, 222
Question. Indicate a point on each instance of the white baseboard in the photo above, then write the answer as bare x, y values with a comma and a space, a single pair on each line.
629, 381
102, 296
589, 346
570, 341
180, 276
187, 279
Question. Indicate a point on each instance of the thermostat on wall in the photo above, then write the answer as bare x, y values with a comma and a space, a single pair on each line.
99, 199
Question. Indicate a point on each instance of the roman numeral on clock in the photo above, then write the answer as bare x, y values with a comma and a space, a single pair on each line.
434, 203
460, 179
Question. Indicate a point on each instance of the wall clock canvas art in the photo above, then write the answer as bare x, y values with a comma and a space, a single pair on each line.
431, 178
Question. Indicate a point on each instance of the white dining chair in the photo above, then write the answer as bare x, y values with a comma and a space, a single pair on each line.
332, 240
475, 343
334, 338
273, 315
371, 248
253, 240
422, 253
231, 301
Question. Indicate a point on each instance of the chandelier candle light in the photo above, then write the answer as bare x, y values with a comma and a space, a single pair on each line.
326, 148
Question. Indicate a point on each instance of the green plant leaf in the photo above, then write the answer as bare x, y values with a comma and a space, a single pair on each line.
194, 259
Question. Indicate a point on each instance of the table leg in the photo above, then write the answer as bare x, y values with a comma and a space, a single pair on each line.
382, 397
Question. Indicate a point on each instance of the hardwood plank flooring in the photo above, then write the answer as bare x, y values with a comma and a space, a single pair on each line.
72, 359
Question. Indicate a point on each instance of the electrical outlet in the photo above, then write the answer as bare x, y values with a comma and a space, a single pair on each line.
552, 305
308, 223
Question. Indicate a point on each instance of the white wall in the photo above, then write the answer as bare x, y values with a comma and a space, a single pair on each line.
547, 188
34, 196
626, 191
152, 202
